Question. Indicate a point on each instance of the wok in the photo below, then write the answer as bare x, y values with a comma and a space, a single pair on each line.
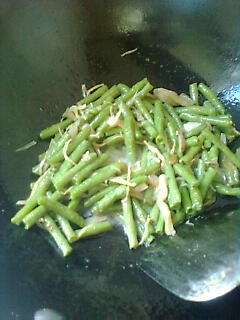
47, 50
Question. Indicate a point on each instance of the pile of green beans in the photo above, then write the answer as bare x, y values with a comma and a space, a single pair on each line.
124, 155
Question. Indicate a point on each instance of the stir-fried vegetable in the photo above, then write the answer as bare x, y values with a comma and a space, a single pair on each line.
151, 160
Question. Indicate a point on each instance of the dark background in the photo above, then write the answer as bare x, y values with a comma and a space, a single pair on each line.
47, 50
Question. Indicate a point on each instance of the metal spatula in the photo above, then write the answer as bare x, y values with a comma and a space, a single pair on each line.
202, 261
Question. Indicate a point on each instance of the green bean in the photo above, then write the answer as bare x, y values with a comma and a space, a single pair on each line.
117, 194
190, 154
173, 114
67, 176
75, 157
172, 133
148, 102
200, 170
196, 198
100, 117
89, 169
140, 94
186, 173
138, 134
89, 114
93, 96
113, 140
227, 191
216, 141
207, 104
53, 129
66, 228
196, 110
132, 91
213, 154
174, 196
139, 179
141, 219
207, 144
115, 208
49, 225
220, 121
129, 132
139, 212
98, 196
178, 216
32, 217
97, 177
129, 223
74, 204
206, 181
40, 187
150, 169
159, 120
152, 132
186, 201
108, 96
231, 133
93, 229
204, 156
143, 110
96, 189
230, 170
193, 92
114, 131
64, 211
209, 95
101, 130
192, 141
144, 158
123, 88
196, 131
59, 156
55, 146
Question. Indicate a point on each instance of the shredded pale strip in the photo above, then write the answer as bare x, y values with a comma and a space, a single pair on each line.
162, 189
122, 181
21, 202
73, 129
189, 223
96, 147
154, 150
129, 52
27, 146
114, 120
43, 166
165, 211
94, 88
66, 157
86, 157
84, 91
181, 142
161, 195
67, 190
173, 147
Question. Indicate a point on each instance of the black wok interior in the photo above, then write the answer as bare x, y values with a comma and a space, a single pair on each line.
47, 50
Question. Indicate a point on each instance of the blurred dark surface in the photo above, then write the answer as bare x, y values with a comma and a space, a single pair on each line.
47, 50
